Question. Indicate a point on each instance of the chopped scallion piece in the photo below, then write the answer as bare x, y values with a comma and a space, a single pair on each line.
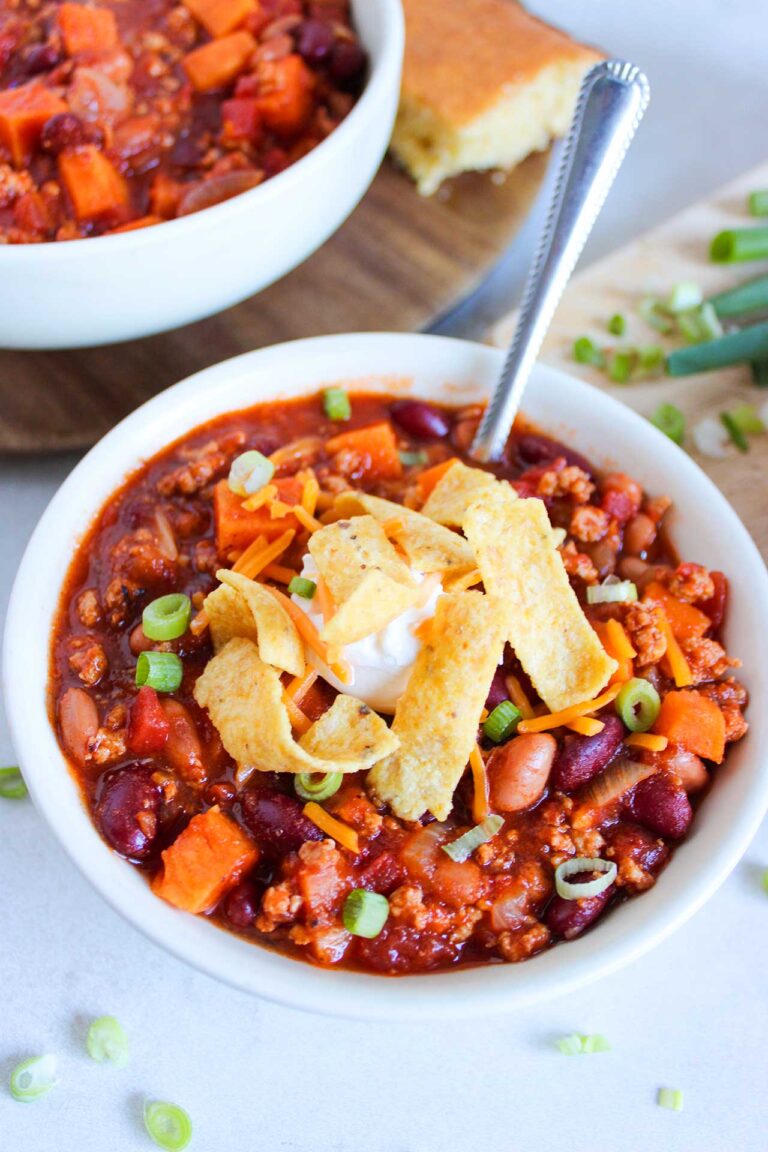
249, 473
619, 592
585, 351
33, 1078
12, 786
580, 1044
684, 296
735, 433
765, 881
744, 346
167, 618
107, 1041
168, 1125
621, 364
650, 361
413, 459
617, 325
162, 671
746, 418
365, 913
578, 865
671, 1098
502, 722
736, 244
300, 586
638, 704
656, 315
336, 404
669, 419
760, 373
462, 848
710, 438
749, 297
317, 786
700, 324
758, 202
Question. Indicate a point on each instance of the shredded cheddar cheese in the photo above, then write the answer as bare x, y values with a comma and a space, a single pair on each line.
278, 572
260, 498
311, 492
299, 722
480, 801
621, 645
648, 741
199, 623
311, 637
559, 719
519, 698
252, 550
304, 518
324, 600
586, 726
300, 685
251, 563
674, 659
332, 827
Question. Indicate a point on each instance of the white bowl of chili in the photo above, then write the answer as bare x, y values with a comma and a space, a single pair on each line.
703, 527
125, 285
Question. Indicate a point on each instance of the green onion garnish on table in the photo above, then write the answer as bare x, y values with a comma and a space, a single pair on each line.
167, 617
760, 373
585, 351
162, 671
758, 202
739, 301
462, 848
336, 404
745, 346
33, 1078
638, 704
617, 325
737, 244
670, 420
502, 722
735, 433
107, 1042
581, 1044
700, 324
300, 586
656, 315
746, 418
684, 296
365, 913
671, 1098
12, 786
168, 1125
621, 364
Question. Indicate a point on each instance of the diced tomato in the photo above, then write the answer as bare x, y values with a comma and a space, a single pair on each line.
241, 118
148, 725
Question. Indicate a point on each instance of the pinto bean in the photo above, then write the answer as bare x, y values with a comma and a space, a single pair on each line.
582, 757
688, 766
183, 751
518, 771
567, 918
660, 805
127, 810
139, 641
639, 534
79, 722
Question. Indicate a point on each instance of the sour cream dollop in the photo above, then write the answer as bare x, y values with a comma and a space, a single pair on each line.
381, 663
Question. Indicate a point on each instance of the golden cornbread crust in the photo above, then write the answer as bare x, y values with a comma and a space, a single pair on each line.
484, 84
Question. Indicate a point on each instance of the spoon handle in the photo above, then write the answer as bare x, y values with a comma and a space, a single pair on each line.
613, 97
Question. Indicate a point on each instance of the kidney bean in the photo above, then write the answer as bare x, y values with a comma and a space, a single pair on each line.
420, 420
519, 770
532, 449
629, 843
347, 62
241, 906
661, 805
567, 918
277, 821
79, 722
582, 757
497, 691
223, 794
127, 810
314, 40
40, 58
182, 750
639, 534
66, 130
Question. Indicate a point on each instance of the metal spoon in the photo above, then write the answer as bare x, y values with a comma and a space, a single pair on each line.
613, 98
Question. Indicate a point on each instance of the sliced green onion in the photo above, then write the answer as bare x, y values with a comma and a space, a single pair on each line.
317, 786
620, 592
617, 325
621, 364
249, 473
735, 433
462, 848
638, 704
746, 418
671, 1098
167, 618
12, 786
710, 438
749, 297
575, 867
757, 202
651, 360
684, 296
744, 346
413, 459
765, 881
657, 316
502, 722
162, 671
669, 419
107, 1041
700, 324
168, 1125
760, 373
736, 244
585, 351
580, 1044
336, 404
300, 586
33, 1078
365, 913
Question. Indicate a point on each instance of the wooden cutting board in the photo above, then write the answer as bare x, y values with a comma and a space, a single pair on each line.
398, 263
650, 266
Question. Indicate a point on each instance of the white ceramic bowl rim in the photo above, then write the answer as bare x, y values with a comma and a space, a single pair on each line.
726, 821
272, 189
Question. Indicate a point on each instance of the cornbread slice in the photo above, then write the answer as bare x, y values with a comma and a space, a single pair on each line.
484, 84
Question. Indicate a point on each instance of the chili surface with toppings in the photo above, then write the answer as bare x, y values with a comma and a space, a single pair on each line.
326, 681
125, 113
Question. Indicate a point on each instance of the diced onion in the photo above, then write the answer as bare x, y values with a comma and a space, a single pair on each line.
461, 849
33, 1078
250, 471
619, 593
575, 867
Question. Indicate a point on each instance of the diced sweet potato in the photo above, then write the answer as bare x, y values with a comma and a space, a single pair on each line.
236, 527
694, 722
686, 622
371, 450
135, 225
86, 29
241, 119
23, 112
219, 17
207, 859
216, 64
94, 185
285, 94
